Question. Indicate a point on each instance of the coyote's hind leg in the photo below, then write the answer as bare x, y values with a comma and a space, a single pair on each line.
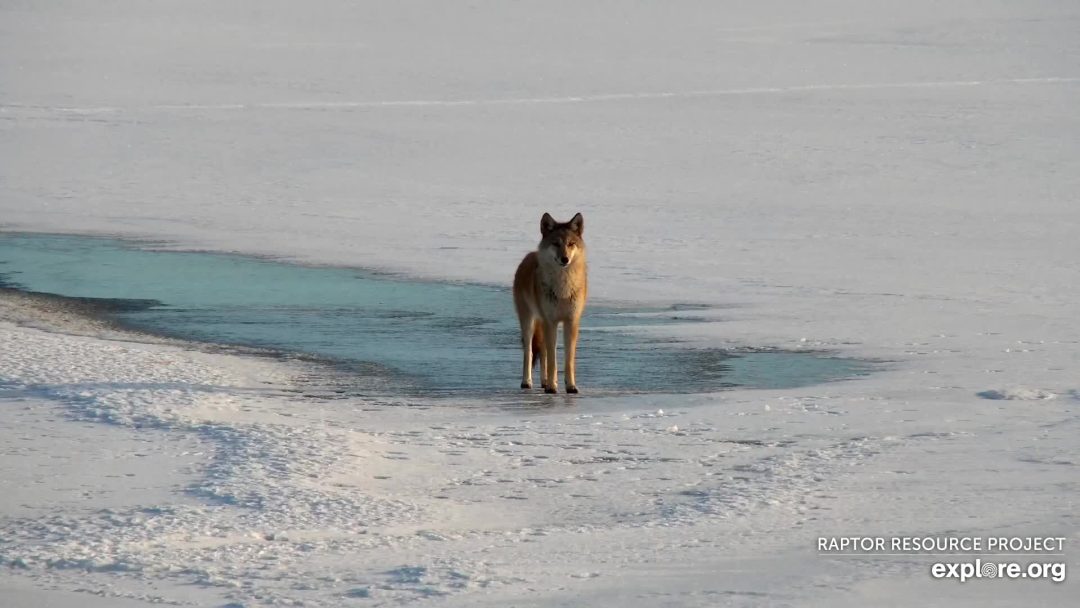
527, 327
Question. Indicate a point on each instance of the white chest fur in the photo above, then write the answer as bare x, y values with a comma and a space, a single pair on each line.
562, 290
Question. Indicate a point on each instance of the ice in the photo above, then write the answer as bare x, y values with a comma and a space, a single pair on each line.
879, 180
1018, 393
396, 336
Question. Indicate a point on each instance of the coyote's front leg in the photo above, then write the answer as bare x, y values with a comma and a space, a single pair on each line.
570, 335
551, 373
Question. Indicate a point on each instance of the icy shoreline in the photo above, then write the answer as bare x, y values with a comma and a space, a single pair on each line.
283, 499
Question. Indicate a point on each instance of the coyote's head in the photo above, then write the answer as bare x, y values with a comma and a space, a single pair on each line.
562, 242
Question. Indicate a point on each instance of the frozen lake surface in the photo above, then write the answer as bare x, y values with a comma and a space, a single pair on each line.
876, 180
404, 336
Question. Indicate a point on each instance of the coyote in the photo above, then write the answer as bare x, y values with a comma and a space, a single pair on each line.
550, 287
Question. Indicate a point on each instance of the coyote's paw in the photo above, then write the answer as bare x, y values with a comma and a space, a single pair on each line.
571, 388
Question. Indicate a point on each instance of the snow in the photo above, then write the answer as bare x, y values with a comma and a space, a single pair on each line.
886, 180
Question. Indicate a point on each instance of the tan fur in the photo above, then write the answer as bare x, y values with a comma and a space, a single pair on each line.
548, 292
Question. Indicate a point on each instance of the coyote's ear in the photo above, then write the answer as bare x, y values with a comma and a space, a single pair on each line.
578, 224
547, 224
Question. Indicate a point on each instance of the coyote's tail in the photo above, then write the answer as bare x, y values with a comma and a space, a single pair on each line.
537, 342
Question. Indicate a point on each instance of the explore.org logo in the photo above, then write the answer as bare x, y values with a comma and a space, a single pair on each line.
1024, 557
962, 571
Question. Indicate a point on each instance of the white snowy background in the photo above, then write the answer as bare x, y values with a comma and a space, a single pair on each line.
893, 180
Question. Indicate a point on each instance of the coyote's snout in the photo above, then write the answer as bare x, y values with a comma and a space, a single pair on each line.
550, 287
